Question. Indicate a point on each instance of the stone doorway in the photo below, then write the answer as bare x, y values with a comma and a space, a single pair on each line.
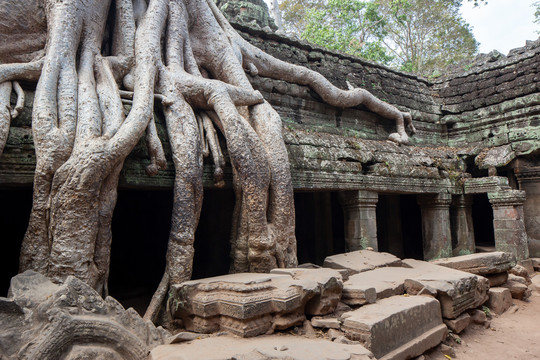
319, 226
14, 215
482, 214
399, 226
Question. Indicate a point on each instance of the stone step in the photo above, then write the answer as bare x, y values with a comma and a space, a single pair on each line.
286, 347
480, 263
399, 327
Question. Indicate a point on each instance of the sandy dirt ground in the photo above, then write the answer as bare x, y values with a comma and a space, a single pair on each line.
512, 335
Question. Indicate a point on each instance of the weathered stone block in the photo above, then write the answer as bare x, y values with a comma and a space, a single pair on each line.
522, 272
359, 261
325, 322
387, 281
528, 265
500, 299
459, 324
497, 279
253, 304
456, 290
480, 263
324, 285
399, 327
518, 290
536, 263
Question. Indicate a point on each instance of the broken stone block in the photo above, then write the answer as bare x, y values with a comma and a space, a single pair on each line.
253, 304
519, 279
528, 265
500, 299
459, 324
457, 290
536, 263
518, 290
521, 271
387, 281
478, 317
359, 261
325, 322
359, 293
286, 347
480, 263
70, 321
399, 327
497, 279
325, 284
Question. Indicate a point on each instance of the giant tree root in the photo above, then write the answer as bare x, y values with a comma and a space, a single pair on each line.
187, 55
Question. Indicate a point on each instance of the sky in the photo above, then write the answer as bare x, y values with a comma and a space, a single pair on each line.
501, 24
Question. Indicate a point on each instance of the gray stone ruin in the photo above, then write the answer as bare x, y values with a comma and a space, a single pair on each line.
350, 210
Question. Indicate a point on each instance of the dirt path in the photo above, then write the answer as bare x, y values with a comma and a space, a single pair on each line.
513, 335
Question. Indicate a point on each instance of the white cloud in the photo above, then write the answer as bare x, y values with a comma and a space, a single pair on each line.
501, 24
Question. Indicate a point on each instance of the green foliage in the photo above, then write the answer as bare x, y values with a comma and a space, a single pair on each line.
536, 6
420, 36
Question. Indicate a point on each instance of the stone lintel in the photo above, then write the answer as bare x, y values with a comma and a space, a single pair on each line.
359, 198
441, 200
507, 198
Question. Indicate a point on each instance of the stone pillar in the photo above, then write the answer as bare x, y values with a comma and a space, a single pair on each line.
462, 225
508, 222
436, 231
359, 208
529, 181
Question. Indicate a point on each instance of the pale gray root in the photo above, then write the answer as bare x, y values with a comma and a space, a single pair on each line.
212, 145
5, 113
257, 62
82, 138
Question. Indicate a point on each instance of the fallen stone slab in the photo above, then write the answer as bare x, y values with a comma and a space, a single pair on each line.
325, 322
497, 279
500, 299
359, 261
480, 263
399, 327
386, 281
249, 304
456, 290
459, 324
287, 347
518, 290
322, 287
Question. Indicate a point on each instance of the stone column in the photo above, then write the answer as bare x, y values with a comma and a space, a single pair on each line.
359, 208
462, 225
436, 231
529, 181
508, 222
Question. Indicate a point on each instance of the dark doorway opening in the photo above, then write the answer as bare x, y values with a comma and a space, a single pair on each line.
319, 226
14, 215
482, 214
399, 226
141, 226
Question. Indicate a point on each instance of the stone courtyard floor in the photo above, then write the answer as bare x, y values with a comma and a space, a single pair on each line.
513, 335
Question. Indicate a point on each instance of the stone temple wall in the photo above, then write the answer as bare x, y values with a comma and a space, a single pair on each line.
476, 121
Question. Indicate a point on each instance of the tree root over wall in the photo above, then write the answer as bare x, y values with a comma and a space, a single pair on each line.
186, 54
